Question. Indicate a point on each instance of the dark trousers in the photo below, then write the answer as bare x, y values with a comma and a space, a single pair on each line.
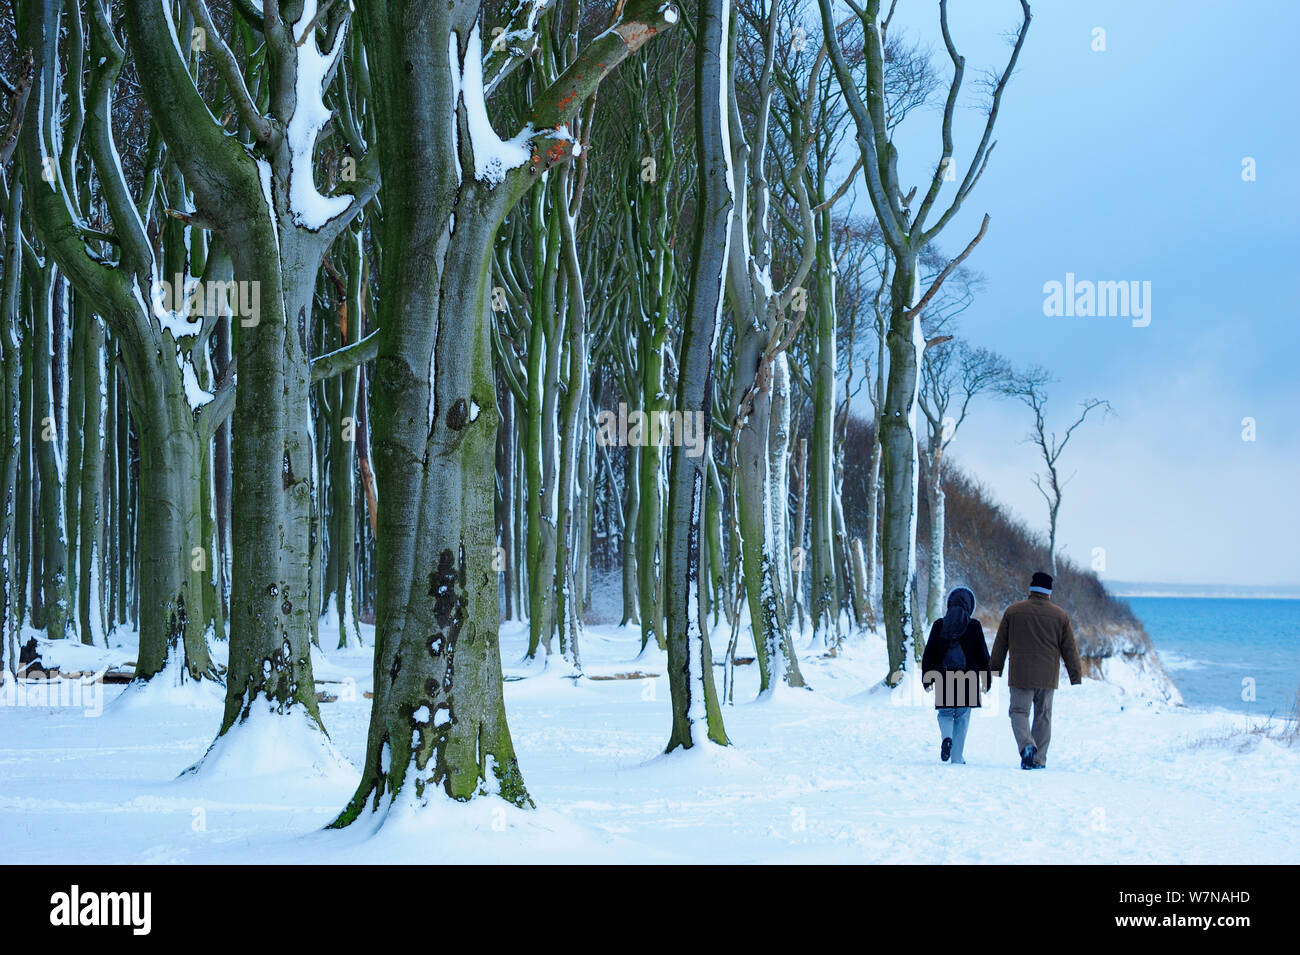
1040, 732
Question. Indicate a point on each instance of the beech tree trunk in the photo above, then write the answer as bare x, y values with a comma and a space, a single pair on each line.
56, 589
91, 516
899, 466
690, 658
438, 723
824, 579
936, 603
11, 390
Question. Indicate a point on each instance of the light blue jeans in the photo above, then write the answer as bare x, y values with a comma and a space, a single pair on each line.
953, 723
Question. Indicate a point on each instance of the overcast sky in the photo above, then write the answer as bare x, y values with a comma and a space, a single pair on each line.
1127, 165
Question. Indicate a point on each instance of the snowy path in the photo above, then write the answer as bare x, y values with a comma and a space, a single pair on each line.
843, 774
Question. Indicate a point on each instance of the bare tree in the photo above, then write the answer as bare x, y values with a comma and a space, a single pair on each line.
907, 232
952, 375
1030, 387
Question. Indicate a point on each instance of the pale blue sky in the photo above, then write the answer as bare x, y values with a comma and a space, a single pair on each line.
1127, 165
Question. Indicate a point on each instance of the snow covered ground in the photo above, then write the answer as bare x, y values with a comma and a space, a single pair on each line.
845, 773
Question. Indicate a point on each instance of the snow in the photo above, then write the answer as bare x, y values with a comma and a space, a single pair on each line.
264, 176
493, 156
846, 773
179, 322
270, 747
172, 688
310, 209
195, 393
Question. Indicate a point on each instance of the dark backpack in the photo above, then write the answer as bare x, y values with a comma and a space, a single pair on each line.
954, 658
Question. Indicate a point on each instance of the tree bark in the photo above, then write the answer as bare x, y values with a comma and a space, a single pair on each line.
898, 442
826, 598
438, 723
938, 582
11, 391
89, 605
690, 658
56, 589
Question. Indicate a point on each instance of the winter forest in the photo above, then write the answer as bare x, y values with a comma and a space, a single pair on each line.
381, 379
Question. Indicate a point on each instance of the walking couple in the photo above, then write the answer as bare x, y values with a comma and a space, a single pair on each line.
956, 665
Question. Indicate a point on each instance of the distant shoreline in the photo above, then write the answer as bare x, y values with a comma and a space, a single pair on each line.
1202, 595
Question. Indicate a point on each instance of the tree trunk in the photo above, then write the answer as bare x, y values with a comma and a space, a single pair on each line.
10, 423
91, 515
574, 407
628, 544
342, 461
171, 565
861, 596
108, 568
71, 423
56, 591
22, 529
690, 658
438, 721
898, 441
1051, 534
800, 553
543, 394
872, 542
439, 717
650, 497
778, 481
760, 574
221, 476
126, 502
506, 503
274, 488
826, 599
719, 560
938, 583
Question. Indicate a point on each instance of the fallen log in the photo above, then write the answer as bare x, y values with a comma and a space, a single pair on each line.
631, 675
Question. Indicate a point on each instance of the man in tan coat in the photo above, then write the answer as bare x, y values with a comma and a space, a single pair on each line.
1038, 635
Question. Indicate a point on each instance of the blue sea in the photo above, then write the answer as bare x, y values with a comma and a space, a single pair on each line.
1212, 645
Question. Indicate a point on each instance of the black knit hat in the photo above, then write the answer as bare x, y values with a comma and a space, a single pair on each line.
1041, 581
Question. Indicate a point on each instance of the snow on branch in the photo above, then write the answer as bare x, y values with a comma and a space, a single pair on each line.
311, 209
514, 43
493, 157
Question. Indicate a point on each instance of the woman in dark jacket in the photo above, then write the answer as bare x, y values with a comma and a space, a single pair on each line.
955, 664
